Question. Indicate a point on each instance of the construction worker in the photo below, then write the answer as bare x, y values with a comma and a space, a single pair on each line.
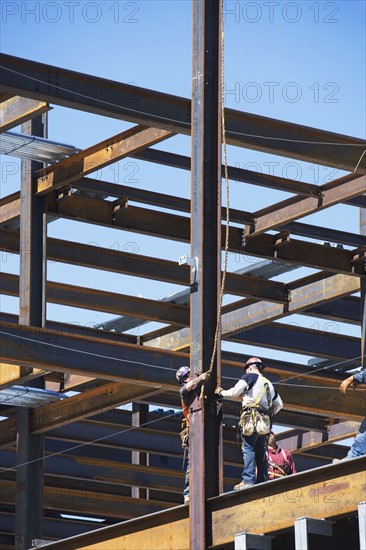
259, 396
190, 389
280, 461
358, 447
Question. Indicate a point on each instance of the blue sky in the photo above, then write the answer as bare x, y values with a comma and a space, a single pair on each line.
302, 62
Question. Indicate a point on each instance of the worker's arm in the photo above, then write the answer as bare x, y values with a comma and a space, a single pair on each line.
201, 379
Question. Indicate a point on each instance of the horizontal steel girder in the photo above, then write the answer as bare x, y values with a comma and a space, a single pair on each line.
305, 293
144, 266
142, 106
16, 110
308, 341
98, 156
329, 491
97, 471
82, 502
70, 410
9, 214
288, 210
169, 226
119, 304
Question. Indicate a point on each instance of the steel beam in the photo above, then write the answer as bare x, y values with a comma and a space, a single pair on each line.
247, 541
11, 211
109, 98
306, 526
17, 110
175, 227
136, 364
335, 490
54, 528
98, 156
362, 524
281, 246
286, 211
109, 302
32, 311
144, 266
83, 502
169, 226
95, 471
304, 294
205, 437
140, 414
235, 173
345, 310
320, 343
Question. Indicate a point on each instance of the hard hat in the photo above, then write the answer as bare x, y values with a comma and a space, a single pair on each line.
182, 374
254, 362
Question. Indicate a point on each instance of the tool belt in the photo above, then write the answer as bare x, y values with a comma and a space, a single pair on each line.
184, 434
253, 419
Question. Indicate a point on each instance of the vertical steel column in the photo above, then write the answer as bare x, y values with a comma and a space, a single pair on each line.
362, 524
247, 541
30, 448
140, 413
363, 294
205, 442
306, 526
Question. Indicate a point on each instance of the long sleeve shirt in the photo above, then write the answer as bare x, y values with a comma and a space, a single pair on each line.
280, 463
251, 386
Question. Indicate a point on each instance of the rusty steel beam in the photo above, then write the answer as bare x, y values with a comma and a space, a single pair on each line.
86, 404
10, 208
105, 470
169, 226
120, 304
281, 247
174, 227
180, 204
235, 173
17, 110
60, 352
301, 442
98, 156
305, 293
345, 310
110, 98
144, 266
84, 502
309, 341
288, 210
324, 492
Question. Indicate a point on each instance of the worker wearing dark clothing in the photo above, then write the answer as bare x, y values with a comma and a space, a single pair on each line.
280, 461
189, 391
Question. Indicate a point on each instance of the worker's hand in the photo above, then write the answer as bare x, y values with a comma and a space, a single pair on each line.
345, 384
218, 391
204, 377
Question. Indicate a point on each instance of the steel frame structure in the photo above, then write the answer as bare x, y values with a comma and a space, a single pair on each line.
82, 455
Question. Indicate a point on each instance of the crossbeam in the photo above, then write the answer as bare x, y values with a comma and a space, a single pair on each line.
110, 98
